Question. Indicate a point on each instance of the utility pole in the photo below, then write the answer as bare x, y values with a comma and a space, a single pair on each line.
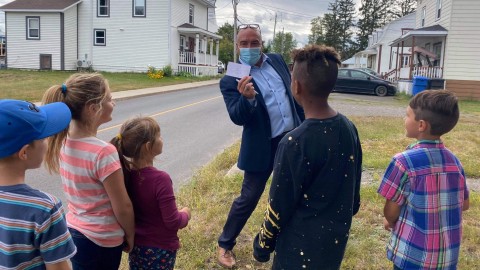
235, 3
274, 26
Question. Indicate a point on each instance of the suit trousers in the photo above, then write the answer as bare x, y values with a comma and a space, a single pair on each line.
242, 207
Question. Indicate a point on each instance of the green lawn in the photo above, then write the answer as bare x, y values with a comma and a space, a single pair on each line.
31, 84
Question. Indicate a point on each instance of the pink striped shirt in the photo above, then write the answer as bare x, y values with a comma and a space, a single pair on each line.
84, 165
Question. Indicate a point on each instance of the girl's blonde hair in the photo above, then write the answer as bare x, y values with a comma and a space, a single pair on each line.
79, 90
133, 134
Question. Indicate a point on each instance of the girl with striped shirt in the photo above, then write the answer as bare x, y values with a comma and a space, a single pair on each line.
100, 213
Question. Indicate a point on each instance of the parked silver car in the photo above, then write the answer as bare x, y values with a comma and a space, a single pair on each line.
221, 67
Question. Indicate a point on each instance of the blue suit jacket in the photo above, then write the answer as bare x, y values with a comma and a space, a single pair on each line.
255, 149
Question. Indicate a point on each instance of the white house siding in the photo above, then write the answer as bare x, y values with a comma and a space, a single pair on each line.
462, 60
23, 53
85, 30
180, 15
431, 10
132, 43
391, 32
70, 38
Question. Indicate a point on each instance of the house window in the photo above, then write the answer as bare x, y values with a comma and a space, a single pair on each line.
427, 46
439, 9
33, 27
424, 14
191, 14
103, 8
182, 43
437, 50
406, 61
139, 8
100, 37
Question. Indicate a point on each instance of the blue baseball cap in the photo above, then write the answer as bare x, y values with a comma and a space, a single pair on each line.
22, 122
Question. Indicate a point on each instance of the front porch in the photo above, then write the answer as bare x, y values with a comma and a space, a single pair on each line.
425, 56
205, 66
196, 54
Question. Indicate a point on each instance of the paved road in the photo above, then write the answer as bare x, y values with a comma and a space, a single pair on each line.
194, 124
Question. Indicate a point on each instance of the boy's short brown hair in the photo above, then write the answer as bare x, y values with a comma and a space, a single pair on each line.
316, 67
437, 107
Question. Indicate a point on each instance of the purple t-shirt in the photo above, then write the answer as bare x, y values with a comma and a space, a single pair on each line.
157, 219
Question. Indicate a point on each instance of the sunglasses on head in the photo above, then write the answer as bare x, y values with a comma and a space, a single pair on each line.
245, 26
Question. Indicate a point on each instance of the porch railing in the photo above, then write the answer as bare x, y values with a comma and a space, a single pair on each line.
391, 75
186, 58
404, 73
429, 72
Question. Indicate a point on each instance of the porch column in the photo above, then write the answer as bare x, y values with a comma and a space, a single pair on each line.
411, 57
204, 50
442, 56
396, 63
390, 59
211, 52
379, 59
401, 58
217, 46
197, 54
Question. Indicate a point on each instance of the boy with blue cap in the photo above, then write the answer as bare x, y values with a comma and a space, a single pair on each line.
33, 231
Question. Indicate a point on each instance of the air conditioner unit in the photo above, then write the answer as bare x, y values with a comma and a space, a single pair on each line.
83, 63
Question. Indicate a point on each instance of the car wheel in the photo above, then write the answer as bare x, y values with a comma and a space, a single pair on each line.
381, 91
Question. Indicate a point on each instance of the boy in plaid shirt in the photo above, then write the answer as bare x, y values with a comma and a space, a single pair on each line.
425, 189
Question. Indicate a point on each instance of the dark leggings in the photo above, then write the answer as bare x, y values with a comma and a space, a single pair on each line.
91, 256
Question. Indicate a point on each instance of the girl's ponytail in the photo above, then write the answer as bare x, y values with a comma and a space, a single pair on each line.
55, 93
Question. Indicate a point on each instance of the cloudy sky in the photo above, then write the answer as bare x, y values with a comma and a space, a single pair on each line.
292, 16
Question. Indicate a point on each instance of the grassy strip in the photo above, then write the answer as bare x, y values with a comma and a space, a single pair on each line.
30, 85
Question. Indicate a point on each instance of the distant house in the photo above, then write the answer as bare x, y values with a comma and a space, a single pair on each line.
445, 42
355, 62
120, 35
379, 56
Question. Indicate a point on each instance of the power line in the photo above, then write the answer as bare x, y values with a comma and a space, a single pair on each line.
267, 7
217, 9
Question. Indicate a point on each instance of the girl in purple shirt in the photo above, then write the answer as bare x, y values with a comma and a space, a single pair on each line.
157, 219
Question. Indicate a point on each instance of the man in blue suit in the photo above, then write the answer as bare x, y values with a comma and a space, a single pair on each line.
263, 104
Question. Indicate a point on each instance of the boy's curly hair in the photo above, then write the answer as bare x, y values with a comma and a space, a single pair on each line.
316, 68
437, 107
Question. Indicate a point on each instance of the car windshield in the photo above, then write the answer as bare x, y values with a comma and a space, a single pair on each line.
369, 71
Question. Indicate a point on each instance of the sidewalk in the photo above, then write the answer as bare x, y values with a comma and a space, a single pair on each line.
121, 95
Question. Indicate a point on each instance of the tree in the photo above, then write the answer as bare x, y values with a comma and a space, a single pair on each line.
226, 43
373, 15
338, 26
401, 8
331, 27
346, 13
284, 43
317, 35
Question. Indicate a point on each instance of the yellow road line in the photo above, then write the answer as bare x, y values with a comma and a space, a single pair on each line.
164, 112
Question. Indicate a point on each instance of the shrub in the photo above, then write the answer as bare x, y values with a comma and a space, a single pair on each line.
167, 71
